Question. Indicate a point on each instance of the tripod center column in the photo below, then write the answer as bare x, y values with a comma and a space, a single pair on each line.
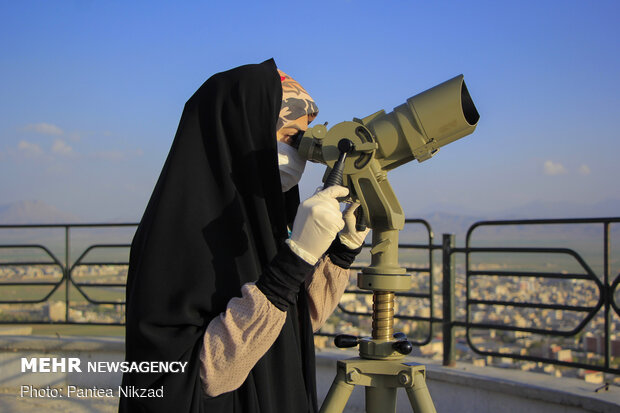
383, 315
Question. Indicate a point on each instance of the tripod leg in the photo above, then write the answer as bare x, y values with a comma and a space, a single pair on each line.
381, 400
338, 394
419, 397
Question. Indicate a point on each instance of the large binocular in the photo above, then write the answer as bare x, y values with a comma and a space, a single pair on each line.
367, 148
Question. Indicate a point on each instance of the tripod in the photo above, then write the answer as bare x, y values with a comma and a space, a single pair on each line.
379, 367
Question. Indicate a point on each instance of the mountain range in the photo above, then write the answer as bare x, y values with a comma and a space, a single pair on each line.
39, 212
35, 212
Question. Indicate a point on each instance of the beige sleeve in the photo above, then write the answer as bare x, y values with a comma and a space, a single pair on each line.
325, 287
237, 339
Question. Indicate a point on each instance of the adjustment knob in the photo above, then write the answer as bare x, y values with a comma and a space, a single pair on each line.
345, 146
345, 341
403, 347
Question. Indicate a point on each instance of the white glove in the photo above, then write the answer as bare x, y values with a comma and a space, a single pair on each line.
317, 223
349, 236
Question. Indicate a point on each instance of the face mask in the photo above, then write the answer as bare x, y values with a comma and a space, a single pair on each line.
291, 165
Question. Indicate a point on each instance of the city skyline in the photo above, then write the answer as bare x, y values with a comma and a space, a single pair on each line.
92, 93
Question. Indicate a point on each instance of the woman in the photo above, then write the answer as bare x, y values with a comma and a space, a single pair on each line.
214, 278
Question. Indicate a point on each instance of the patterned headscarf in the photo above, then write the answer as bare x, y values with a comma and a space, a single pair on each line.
296, 102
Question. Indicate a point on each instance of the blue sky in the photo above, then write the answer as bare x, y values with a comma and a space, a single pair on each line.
92, 91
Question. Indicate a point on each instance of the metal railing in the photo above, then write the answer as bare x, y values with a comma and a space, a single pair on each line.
602, 283
605, 287
66, 268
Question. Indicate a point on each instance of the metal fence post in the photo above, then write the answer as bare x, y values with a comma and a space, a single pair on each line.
608, 294
448, 299
67, 246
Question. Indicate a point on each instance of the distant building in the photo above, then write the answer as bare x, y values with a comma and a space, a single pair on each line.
596, 344
596, 377
56, 311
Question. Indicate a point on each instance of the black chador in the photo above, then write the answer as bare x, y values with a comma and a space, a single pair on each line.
215, 220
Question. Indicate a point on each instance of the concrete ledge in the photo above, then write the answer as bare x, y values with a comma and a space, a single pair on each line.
464, 388
12, 343
87, 349
16, 330
467, 388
